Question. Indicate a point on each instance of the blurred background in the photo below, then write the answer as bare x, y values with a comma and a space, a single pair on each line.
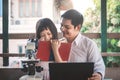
23, 15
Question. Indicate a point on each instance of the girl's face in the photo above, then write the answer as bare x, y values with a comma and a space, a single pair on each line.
46, 35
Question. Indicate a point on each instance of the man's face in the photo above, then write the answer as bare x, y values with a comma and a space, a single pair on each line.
69, 32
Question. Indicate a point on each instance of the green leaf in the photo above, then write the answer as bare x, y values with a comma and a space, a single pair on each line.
113, 41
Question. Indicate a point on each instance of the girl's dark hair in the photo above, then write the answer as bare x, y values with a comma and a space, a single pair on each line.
44, 24
75, 17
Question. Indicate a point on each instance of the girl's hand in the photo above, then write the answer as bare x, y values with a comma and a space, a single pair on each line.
55, 44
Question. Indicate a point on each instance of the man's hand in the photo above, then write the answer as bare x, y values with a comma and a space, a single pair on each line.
95, 76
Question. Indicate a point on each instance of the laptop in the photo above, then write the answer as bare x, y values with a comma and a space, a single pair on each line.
71, 71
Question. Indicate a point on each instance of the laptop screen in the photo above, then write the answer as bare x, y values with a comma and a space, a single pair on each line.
70, 71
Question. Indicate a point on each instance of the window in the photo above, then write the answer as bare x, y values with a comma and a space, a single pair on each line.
30, 8
0, 8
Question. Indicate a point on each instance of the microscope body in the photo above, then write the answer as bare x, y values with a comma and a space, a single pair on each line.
29, 66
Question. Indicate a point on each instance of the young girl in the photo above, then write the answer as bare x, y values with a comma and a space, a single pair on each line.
46, 31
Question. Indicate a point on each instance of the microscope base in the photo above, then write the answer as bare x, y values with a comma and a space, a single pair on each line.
30, 77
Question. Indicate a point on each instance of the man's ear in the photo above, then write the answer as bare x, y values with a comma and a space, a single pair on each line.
78, 27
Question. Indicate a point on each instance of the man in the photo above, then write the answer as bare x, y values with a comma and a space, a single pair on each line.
83, 49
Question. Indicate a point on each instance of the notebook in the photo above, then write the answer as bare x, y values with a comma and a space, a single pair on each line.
70, 71
44, 49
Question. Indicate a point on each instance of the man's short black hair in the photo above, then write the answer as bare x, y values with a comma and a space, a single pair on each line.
75, 17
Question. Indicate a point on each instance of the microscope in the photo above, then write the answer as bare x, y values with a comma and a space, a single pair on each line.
29, 65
